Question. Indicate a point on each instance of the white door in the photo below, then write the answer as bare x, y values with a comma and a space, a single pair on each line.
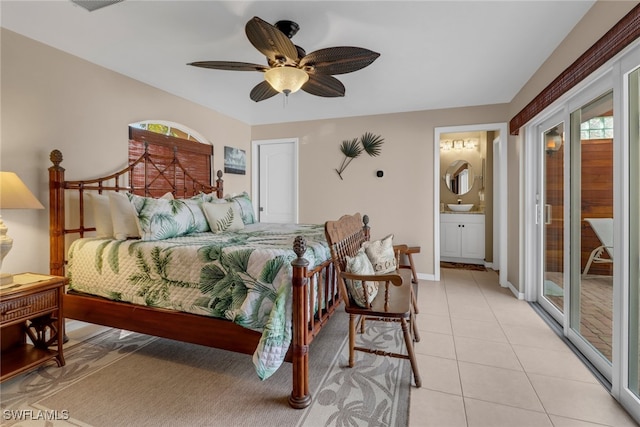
277, 180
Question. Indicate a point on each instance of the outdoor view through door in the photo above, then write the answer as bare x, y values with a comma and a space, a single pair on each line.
553, 213
592, 257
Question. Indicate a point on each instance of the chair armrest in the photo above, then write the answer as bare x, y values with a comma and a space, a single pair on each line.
396, 279
400, 248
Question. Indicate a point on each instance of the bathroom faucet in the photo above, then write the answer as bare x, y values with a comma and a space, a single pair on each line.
459, 201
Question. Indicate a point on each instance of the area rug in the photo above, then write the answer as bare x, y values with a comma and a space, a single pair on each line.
462, 266
118, 379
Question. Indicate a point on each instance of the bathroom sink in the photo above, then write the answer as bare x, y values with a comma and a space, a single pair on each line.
460, 208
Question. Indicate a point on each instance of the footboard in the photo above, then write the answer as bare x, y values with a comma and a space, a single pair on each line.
311, 288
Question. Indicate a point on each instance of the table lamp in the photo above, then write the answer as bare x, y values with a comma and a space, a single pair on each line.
13, 195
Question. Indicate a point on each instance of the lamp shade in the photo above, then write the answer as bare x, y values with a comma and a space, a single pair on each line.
15, 195
286, 79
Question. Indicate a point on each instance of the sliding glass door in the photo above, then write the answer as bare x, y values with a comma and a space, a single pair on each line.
552, 207
591, 230
585, 187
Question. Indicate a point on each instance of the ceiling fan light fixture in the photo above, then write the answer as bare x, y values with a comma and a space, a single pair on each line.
286, 79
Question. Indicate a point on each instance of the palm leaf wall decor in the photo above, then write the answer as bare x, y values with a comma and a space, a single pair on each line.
369, 143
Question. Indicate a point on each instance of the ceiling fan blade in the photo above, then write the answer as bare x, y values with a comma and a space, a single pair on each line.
324, 85
229, 65
272, 42
262, 91
338, 60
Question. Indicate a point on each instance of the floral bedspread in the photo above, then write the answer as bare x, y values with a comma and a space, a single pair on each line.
243, 276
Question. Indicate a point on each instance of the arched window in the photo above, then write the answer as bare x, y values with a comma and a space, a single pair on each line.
165, 127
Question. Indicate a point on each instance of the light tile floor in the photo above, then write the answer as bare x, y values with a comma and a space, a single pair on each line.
488, 360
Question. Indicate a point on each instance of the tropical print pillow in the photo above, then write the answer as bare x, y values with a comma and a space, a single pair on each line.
223, 217
200, 221
161, 219
245, 207
381, 255
360, 264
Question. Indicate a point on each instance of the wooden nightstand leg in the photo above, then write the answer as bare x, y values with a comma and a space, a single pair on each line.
43, 331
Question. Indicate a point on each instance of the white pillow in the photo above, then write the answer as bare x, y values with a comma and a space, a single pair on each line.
124, 216
381, 255
222, 217
101, 214
360, 264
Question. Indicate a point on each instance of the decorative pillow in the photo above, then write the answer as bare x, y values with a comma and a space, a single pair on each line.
161, 219
123, 216
200, 221
360, 264
101, 214
381, 255
245, 207
210, 197
222, 217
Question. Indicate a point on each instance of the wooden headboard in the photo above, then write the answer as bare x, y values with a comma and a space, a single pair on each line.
157, 164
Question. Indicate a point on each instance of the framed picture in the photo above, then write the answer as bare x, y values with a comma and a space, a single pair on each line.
235, 161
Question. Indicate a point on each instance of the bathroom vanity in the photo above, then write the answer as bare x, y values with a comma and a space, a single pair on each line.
462, 237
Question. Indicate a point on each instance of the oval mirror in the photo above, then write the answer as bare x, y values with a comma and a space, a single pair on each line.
459, 177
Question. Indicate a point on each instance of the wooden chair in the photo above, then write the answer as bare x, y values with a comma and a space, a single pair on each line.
393, 302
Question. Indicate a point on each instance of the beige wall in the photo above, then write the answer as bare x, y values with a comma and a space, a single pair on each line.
52, 100
401, 202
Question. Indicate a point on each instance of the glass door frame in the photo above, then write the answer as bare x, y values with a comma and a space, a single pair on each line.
559, 117
596, 89
620, 390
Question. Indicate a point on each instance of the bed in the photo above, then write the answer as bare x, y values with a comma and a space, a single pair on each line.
132, 283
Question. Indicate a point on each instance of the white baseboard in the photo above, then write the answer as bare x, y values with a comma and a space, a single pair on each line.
516, 293
423, 276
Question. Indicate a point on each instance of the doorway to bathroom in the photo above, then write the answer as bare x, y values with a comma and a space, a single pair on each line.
470, 196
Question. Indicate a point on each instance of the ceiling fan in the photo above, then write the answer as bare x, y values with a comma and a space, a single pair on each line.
289, 67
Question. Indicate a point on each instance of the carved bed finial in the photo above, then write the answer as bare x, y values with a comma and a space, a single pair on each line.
299, 246
365, 220
56, 157
219, 174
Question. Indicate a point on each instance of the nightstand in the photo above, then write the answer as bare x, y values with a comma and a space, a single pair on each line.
31, 308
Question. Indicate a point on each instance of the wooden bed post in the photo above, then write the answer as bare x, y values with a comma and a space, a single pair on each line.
365, 227
56, 215
219, 185
300, 396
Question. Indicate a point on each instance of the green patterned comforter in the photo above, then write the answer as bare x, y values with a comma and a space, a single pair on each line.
243, 276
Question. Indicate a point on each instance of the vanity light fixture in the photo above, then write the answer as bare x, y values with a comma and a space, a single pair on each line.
470, 144
446, 145
458, 144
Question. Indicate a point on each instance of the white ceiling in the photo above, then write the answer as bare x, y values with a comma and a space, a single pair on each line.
434, 54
